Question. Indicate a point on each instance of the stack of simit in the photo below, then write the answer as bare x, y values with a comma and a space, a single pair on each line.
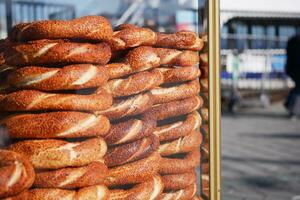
54, 84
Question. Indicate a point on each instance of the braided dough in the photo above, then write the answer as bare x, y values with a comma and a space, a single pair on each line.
49, 52
70, 77
178, 181
130, 130
71, 178
16, 173
129, 107
182, 91
183, 194
34, 100
95, 28
181, 145
134, 84
56, 125
175, 108
135, 172
149, 189
54, 154
180, 74
178, 129
96, 192
180, 40
130, 37
187, 162
130, 152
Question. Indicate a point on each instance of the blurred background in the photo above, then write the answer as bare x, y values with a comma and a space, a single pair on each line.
261, 134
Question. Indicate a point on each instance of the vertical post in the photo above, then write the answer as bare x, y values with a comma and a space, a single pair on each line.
8, 10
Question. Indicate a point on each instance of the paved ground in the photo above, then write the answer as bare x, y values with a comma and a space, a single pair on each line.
261, 155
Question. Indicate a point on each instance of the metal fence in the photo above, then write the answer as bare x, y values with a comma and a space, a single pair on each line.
16, 11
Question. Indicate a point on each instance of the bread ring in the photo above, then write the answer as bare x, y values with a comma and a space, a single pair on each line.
70, 77
34, 100
204, 84
204, 114
180, 40
149, 189
204, 95
132, 37
16, 173
138, 59
187, 162
204, 59
204, 72
71, 178
181, 145
205, 168
96, 192
54, 154
178, 129
180, 74
95, 28
48, 52
205, 185
130, 130
130, 152
129, 107
205, 133
205, 152
175, 108
135, 172
197, 198
183, 194
134, 84
178, 181
56, 125
178, 92
176, 57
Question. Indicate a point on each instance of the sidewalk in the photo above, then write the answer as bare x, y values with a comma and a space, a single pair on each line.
260, 155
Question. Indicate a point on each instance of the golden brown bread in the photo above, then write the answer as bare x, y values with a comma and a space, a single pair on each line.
16, 173
55, 154
72, 177
177, 92
205, 186
69, 77
183, 194
131, 106
149, 189
180, 40
204, 72
130, 152
135, 172
134, 84
52, 52
204, 84
179, 74
130, 130
180, 128
94, 28
183, 164
175, 108
56, 125
204, 114
132, 37
96, 192
182, 145
178, 181
34, 100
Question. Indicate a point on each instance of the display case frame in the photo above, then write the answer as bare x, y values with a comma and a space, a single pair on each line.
214, 99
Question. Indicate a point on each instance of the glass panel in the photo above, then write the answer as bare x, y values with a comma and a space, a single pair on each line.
258, 34
285, 32
115, 101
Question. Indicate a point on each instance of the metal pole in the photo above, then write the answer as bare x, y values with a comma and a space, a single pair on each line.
8, 10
